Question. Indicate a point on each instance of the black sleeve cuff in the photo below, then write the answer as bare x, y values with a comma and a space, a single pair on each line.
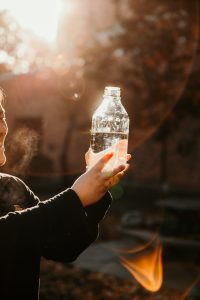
96, 212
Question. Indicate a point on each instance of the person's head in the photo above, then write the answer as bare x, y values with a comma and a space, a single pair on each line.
3, 131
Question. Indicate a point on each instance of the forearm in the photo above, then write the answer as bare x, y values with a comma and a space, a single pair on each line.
67, 247
40, 224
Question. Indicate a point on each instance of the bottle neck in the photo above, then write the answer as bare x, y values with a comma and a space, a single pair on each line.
110, 99
112, 94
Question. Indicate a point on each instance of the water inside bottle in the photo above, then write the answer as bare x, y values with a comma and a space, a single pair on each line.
104, 142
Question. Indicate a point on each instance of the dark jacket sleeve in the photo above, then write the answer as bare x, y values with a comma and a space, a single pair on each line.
67, 247
35, 227
59, 228
97, 211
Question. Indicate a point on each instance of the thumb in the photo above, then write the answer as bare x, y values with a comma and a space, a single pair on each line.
101, 163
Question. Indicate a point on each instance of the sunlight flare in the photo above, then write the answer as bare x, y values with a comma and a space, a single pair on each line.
41, 17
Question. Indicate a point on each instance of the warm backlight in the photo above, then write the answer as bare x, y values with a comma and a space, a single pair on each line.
39, 16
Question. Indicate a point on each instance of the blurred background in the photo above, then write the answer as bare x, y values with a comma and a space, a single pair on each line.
56, 57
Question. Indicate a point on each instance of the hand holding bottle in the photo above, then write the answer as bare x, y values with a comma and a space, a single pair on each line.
93, 184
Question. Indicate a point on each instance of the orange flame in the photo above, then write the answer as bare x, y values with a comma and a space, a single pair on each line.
146, 266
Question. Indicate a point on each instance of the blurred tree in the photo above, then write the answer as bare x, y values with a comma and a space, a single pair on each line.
187, 107
20, 50
150, 57
10, 41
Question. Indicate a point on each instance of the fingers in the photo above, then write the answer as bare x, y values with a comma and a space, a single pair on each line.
114, 180
116, 173
87, 156
126, 168
128, 157
118, 170
101, 163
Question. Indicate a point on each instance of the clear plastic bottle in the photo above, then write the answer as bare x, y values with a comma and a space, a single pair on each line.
110, 129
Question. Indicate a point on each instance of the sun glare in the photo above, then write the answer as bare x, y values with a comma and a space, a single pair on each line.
39, 16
